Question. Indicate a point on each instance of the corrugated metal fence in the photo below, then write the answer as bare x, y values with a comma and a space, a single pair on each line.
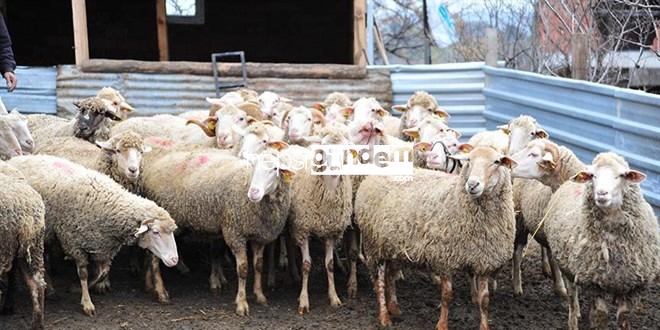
457, 87
35, 92
175, 93
586, 117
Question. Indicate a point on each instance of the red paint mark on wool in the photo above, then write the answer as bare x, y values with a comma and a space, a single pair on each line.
201, 160
160, 141
578, 191
63, 167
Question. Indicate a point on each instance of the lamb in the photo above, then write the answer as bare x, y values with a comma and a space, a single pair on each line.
222, 119
22, 231
419, 106
19, 124
93, 122
9, 145
320, 206
605, 238
445, 222
117, 100
301, 123
120, 157
333, 107
270, 104
224, 182
92, 217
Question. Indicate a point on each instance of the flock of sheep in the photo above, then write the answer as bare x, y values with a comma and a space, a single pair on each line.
84, 188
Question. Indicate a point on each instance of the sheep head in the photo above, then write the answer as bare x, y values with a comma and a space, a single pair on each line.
485, 171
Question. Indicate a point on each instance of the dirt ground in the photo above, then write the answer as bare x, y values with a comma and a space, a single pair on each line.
193, 306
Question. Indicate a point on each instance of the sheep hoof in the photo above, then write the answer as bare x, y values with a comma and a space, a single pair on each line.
384, 321
393, 308
335, 302
352, 290
261, 300
517, 291
242, 308
102, 287
163, 297
88, 309
302, 310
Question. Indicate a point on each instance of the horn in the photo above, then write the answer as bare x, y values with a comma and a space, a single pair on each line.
251, 109
205, 126
285, 116
215, 108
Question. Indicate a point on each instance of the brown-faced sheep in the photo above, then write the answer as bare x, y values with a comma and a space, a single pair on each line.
448, 223
605, 238
92, 217
22, 231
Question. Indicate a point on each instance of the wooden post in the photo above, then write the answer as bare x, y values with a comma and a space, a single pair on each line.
579, 56
359, 32
80, 41
161, 22
491, 47
380, 45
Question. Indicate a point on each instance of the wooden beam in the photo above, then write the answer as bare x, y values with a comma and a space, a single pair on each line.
255, 70
491, 47
359, 32
161, 22
80, 41
579, 56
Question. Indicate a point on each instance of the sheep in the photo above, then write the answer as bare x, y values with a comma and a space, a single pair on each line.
333, 107
445, 222
19, 124
92, 217
270, 104
9, 145
206, 191
419, 106
22, 231
430, 128
437, 155
93, 122
338, 98
119, 158
605, 238
222, 119
320, 206
38, 121
117, 100
300, 123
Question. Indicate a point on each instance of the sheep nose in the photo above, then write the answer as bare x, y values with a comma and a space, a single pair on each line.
473, 184
174, 260
132, 169
254, 192
601, 193
29, 142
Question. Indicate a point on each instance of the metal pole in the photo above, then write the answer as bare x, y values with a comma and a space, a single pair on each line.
427, 41
370, 32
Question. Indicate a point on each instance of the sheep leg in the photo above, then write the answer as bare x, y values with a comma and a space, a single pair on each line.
242, 307
101, 284
573, 304
85, 300
623, 313
36, 284
294, 270
518, 249
159, 286
392, 274
598, 314
545, 262
329, 267
282, 261
148, 273
483, 300
215, 283
258, 264
560, 289
473, 289
272, 280
379, 287
340, 265
353, 256
446, 294
303, 300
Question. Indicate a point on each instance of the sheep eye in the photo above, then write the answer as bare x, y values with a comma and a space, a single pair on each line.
531, 154
241, 119
263, 141
497, 162
156, 233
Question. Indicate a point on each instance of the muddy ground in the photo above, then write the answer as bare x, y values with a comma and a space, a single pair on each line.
194, 307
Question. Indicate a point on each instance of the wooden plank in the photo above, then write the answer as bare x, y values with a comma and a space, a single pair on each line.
579, 56
254, 70
161, 22
359, 32
491, 47
80, 40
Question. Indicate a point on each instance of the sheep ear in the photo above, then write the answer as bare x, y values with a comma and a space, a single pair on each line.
635, 176
541, 134
505, 129
548, 161
456, 133
106, 146
441, 113
465, 148
286, 174
251, 120
582, 177
143, 229
382, 112
400, 107
126, 107
278, 145
347, 112
422, 146
507, 161
112, 116
411, 132
320, 106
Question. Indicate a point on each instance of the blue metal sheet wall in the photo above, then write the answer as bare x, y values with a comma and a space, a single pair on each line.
588, 118
457, 87
35, 92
